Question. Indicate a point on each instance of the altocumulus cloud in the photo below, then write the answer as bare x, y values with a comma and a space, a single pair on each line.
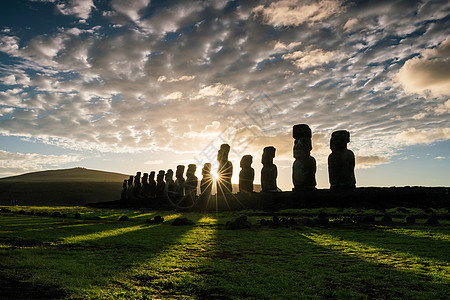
133, 76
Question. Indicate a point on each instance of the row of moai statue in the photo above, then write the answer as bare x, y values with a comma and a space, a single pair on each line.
341, 165
341, 161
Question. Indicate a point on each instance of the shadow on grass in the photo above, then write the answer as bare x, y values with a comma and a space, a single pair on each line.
419, 242
85, 264
285, 263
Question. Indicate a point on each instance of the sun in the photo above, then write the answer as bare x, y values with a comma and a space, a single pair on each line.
214, 175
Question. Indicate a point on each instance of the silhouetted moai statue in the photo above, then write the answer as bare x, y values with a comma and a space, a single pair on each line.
152, 184
130, 188
160, 184
179, 182
123, 194
137, 185
145, 187
246, 175
191, 180
225, 171
341, 161
170, 184
269, 171
304, 167
207, 181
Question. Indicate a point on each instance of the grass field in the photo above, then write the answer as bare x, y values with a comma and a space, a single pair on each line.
105, 258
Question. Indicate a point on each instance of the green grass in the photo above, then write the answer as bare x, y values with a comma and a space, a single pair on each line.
110, 259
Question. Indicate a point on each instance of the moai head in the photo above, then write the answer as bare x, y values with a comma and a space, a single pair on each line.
206, 169
339, 140
179, 172
222, 155
160, 177
268, 155
246, 161
191, 170
137, 178
144, 178
130, 181
125, 182
151, 176
301, 131
169, 175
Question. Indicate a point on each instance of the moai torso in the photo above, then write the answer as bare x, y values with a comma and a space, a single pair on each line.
207, 180
179, 182
160, 184
152, 184
225, 171
269, 171
170, 185
191, 180
123, 194
304, 167
246, 175
341, 161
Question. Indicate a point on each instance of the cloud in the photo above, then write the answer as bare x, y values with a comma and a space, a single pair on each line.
429, 72
130, 8
413, 136
12, 163
154, 162
294, 13
363, 162
310, 58
79, 8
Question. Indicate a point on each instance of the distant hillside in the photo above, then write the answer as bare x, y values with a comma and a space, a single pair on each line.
68, 175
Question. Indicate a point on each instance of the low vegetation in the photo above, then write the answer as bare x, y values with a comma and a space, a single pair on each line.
74, 252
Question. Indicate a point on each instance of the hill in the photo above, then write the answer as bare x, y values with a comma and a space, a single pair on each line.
68, 175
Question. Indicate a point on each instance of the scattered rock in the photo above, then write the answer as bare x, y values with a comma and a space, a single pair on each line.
305, 222
5, 210
410, 220
155, 220
432, 221
93, 218
30, 213
264, 222
56, 214
238, 223
21, 212
124, 218
181, 221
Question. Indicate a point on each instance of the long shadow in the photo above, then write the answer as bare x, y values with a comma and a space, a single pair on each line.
286, 264
91, 263
425, 247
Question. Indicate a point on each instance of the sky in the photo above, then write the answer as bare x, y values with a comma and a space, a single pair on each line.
127, 86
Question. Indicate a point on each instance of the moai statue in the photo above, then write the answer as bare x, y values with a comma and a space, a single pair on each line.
145, 187
191, 180
123, 194
246, 175
269, 171
160, 184
207, 181
170, 184
179, 182
137, 185
304, 167
130, 188
152, 184
225, 171
341, 161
